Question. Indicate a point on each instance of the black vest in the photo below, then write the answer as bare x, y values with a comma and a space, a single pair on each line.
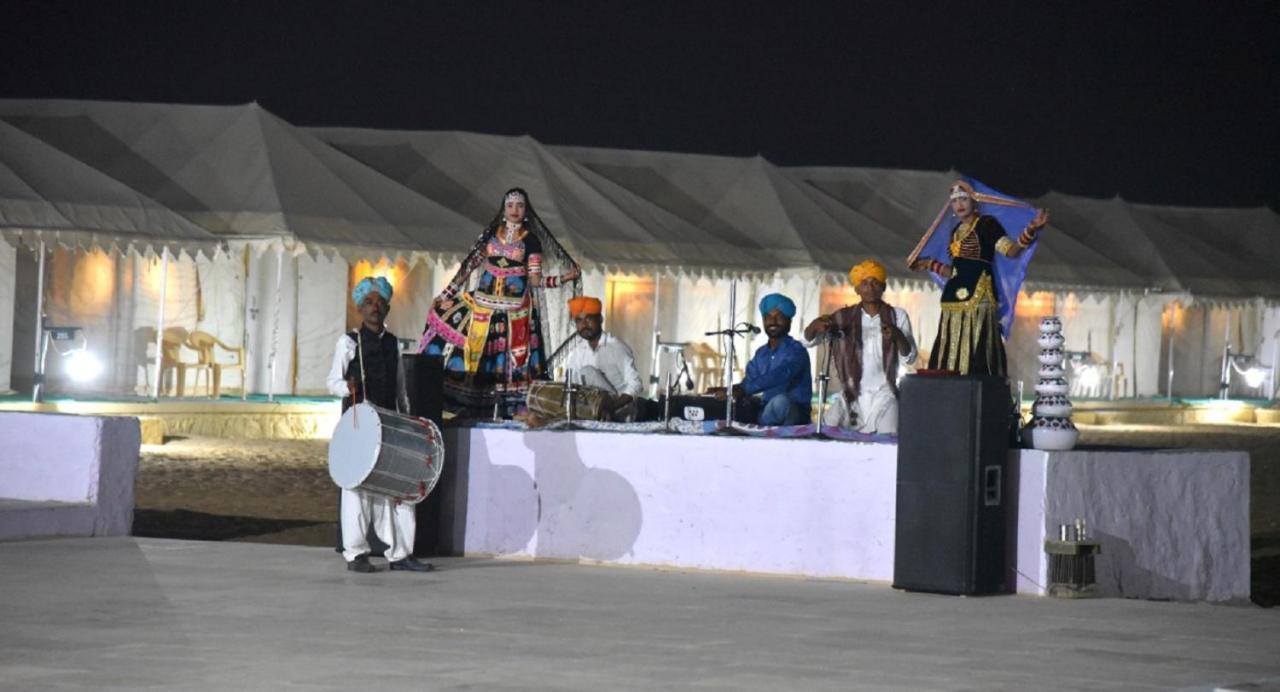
381, 358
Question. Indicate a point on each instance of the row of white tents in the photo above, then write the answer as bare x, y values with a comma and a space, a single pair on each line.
229, 220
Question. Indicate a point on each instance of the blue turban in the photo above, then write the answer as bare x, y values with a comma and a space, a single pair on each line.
777, 301
371, 283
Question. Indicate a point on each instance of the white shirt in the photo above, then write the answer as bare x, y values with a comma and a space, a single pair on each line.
611, 357
873, 375
343, 353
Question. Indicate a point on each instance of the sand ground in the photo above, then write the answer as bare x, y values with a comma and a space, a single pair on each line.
278, 491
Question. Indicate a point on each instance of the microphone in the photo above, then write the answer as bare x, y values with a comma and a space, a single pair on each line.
749, 327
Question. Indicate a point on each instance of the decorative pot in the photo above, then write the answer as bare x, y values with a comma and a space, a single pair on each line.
1052, 372
1050, 325
1050, 340
1049, 386
1051, 434
1052, 356
1053, 406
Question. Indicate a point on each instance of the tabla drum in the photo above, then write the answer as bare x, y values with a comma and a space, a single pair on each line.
384, 452
546, 400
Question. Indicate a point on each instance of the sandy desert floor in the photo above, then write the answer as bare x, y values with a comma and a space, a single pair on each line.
278, 491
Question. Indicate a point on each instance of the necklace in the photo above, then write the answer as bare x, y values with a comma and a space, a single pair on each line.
961, 234
508, 234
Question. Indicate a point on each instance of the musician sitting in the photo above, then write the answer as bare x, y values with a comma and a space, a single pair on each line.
779, 371
601, 360
871, 342
366, 367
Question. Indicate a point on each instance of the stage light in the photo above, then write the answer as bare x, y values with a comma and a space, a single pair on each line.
1254, 377
83, 366
1089, 376
1245, 365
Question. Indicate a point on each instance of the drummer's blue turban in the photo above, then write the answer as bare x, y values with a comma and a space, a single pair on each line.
777, 301
371, 283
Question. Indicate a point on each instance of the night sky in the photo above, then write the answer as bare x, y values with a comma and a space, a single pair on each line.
1152, 101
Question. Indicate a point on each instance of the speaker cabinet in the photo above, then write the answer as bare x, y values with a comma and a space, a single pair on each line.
952, 450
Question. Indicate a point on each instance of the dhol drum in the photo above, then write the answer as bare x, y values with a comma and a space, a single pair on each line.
546, 401
387, 453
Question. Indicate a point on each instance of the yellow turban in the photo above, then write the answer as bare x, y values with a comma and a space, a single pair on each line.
867, 269
584, 305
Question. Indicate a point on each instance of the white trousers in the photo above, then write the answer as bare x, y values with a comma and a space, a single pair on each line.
873, 412
393, 522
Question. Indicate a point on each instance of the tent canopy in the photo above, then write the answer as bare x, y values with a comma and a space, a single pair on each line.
240, 171
600, 222
48, 195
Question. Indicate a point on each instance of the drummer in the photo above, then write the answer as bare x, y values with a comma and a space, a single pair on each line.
601, 360
366, 367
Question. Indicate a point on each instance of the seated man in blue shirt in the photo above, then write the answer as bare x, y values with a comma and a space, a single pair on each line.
779, 371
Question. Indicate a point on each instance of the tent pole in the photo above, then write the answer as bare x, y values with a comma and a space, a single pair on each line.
657, 337
1168, 387
244, 327
164, 286
275, 328
38, 363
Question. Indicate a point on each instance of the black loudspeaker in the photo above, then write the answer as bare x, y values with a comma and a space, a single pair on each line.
952, 448
424, 380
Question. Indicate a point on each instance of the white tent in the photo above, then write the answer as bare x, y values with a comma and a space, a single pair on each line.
286, 202
50, 200
301, 212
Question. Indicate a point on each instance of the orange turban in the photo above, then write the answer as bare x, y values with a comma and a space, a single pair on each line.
867, 269
584, 305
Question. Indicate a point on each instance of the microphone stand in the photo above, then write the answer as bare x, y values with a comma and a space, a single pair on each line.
825, 377
569, 390
731, 363
666, 404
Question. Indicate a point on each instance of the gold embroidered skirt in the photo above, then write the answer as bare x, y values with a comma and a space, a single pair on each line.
969, 339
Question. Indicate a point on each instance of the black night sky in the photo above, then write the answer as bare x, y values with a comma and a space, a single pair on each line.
1173, 103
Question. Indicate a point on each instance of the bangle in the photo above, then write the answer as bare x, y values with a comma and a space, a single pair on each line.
551, 282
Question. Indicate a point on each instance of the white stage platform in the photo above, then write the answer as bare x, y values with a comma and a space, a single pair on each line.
63, 475
1173, 524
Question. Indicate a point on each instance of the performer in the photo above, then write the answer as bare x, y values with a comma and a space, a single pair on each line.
977, 302
493, 335
779, 371
601, 360
871, 341
366, 367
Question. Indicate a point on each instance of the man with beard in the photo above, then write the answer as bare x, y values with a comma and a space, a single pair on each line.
601, 360
779, 372
871, 342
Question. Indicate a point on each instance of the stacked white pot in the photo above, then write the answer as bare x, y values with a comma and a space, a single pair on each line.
1051, 427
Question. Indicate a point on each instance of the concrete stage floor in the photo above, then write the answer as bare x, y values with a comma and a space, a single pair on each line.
163, 614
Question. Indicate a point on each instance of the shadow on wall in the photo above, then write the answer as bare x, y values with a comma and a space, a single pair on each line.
582, 512
1120, 575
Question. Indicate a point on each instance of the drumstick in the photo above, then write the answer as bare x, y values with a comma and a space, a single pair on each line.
351, 387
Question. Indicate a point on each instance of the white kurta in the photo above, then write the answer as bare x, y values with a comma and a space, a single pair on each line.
610, 365
393, 521
876, 410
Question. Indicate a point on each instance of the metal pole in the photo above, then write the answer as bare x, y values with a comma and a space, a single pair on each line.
1225, 382
733, 347
164, 286
823, 379
37, 378
1275, 361
1168, 387
249, 311
657, 337
275, 328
